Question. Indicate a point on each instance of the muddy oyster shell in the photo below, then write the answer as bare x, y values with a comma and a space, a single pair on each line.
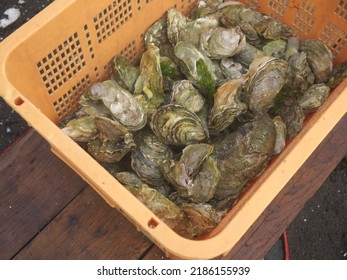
150, 82
176, 125
227, 106
314, 97
114, 141
147, 157
197, 67
121, 103
82, 129
125, 73
264, 80
319, 58
242, 154
220, 42
195, 175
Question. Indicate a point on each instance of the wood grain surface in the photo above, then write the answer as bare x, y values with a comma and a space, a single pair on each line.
34, 187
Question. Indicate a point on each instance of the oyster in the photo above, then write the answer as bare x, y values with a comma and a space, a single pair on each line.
150, 81
231, 69
82, 129
93, 107
184, 94
202, 216
176, 22
281, 135
170, 72
156, 34
147, 157
275, 48
319, 58
161, 206
299, 71
198, 68
129, 179
264, 80
227, 106
248, 55
292, 115
219, 42
338, 75
314, 97
293, 46
176, 125
195, 175
114, 141
242, 154
204, 8
122, 105
273, 29
125, 73
190, 31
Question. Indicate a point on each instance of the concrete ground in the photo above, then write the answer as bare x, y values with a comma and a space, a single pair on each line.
318, 232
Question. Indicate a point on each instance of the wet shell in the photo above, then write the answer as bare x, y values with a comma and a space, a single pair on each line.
175, 125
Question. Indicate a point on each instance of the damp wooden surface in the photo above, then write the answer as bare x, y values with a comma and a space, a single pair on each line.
49, 212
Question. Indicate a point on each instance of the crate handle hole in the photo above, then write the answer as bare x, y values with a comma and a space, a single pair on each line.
18, 101
152, 223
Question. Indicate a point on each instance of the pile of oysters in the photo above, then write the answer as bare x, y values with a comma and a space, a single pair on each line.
215, 97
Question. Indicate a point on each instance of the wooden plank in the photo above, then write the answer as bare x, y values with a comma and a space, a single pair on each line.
35, 185
155, 254
88, 228
281, 212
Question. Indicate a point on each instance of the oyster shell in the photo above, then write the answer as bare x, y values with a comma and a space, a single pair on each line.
264, 80
248, 55
293, 46
273, 29
113, 143
184, 94
299, 71
314, 97
161, 206
339, 74
198, 68
176, 125
204, 8
156, 34
219, 42
93, 107
125, 73
319, 58
292, 115
242, 154
203, 217
150, 81
275, 48
231, 69
281, 135
195, 175
122, 105
227, 106
176, 22
82, 129
147, 157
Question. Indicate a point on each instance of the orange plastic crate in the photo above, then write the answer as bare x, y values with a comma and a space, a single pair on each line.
48, 63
